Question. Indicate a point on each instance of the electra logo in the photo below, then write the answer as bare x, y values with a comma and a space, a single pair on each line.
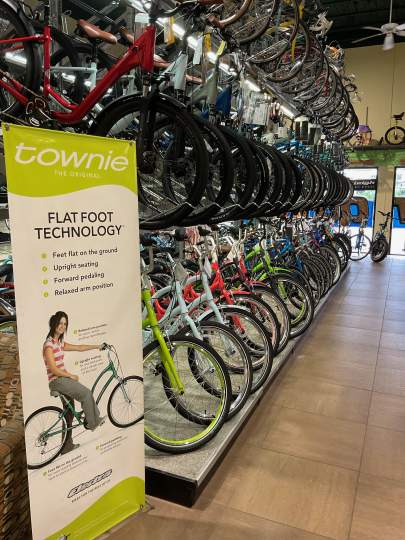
49, 157
85, 485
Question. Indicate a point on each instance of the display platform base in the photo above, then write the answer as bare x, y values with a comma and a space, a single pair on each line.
181, 478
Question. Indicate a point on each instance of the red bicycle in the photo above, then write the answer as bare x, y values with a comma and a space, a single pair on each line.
171, 155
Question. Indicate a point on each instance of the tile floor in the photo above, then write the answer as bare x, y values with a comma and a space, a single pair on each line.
323, 455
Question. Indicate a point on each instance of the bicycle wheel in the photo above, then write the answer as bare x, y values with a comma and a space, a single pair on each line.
395, 135
125, 404
332, 258
22, 64
41, 449
346, 240
361, 245
298, 302
263, 312
255, 337
342, 251
181, 422
235, 357
172, 158
279, 309
229, 13
379, 250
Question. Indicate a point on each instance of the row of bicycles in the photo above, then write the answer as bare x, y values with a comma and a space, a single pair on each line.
198, 161
219, 304
238, 245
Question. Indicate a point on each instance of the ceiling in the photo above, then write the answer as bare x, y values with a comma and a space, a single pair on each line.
350, 15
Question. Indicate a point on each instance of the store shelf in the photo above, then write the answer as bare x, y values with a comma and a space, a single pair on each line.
181, 478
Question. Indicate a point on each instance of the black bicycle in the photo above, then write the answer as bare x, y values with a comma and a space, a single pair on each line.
380, 246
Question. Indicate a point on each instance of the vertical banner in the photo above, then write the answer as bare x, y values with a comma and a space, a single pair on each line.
74, 224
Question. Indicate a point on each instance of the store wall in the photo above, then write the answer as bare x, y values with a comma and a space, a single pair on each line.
380, 76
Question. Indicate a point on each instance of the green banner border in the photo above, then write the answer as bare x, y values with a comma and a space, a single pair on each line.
120, 502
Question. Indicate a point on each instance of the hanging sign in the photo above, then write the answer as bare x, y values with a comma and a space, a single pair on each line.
74, 223
361, 183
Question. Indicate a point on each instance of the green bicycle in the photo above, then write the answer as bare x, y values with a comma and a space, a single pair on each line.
47, 428
188, 390
289, 285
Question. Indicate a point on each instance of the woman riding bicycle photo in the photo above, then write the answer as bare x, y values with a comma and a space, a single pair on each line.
66, 383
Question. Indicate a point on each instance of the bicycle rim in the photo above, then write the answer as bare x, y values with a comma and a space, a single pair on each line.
125, 405
42, 450
170, 418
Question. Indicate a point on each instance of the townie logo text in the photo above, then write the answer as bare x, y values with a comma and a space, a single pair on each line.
71, 162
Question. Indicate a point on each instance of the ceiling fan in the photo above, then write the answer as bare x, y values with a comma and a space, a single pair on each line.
388, 30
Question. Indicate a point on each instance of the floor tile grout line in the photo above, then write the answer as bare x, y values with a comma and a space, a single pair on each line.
367, 423
357, 422
324, 379
312, 460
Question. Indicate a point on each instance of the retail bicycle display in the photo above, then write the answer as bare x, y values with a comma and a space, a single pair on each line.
217, 315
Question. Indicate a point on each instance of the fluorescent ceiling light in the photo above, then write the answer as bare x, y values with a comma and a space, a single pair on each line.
252, 85
16, 58
178, 30
287, 112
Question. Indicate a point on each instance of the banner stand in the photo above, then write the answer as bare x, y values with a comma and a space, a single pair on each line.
75, 244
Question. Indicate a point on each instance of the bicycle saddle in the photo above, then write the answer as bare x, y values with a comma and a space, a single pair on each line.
55, 393
399, 116
93, 32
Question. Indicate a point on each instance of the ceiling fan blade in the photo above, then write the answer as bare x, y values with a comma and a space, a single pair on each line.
372, 28
400, 27
368, 37
401, 33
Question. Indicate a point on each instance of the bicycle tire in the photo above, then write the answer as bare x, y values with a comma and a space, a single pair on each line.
262, 353
113, 420
58, 411
158, 209
355, 241
204, 433
240, 370
299, 321
379, 249
260, 309
394, 141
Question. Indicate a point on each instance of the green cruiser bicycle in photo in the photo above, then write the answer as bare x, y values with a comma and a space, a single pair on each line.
46, 430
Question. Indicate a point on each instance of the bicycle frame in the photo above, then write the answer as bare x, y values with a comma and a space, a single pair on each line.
139, 54
78, 414
152, 322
